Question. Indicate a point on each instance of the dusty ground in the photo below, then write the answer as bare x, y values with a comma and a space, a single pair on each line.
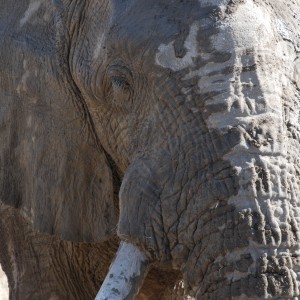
3, 286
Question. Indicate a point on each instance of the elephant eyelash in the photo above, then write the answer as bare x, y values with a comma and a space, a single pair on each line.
120, 83
119, 91
120, 76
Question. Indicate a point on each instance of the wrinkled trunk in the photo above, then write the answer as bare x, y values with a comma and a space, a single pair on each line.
228, 215
248, 246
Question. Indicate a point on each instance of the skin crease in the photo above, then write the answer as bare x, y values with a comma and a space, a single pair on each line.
176, 108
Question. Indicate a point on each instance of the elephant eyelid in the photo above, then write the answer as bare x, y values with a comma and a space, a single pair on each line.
120, 75
119, 82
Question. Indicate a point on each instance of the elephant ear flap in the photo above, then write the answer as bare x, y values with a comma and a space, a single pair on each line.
85, 208
77, 200
60, 179
80, 203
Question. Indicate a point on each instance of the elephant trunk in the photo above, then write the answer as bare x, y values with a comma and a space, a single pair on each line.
251, 251
219, 197
126, 274
248, 245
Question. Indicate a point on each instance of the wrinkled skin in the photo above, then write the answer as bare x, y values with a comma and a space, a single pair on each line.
173, 125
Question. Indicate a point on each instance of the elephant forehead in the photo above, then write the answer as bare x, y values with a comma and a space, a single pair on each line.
151, 23
32, 8
166, 56
236, 30
224, 35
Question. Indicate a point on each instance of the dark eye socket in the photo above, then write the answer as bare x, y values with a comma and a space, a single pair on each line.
120, 77
119, 83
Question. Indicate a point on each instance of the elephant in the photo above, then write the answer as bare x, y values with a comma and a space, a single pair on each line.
150, 148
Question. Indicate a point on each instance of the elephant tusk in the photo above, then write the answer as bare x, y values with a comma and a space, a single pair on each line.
126, 274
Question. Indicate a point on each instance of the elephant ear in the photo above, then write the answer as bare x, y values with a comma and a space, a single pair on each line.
52, 167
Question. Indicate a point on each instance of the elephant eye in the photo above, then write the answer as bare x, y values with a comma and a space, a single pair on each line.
120, 77
119, 83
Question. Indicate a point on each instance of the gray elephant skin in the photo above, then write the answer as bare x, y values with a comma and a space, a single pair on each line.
171, 127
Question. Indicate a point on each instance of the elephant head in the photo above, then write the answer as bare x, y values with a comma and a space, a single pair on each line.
189, 111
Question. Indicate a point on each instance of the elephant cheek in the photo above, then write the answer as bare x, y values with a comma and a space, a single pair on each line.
139, 196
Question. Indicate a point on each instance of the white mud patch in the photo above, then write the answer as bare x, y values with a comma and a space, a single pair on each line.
166, 54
